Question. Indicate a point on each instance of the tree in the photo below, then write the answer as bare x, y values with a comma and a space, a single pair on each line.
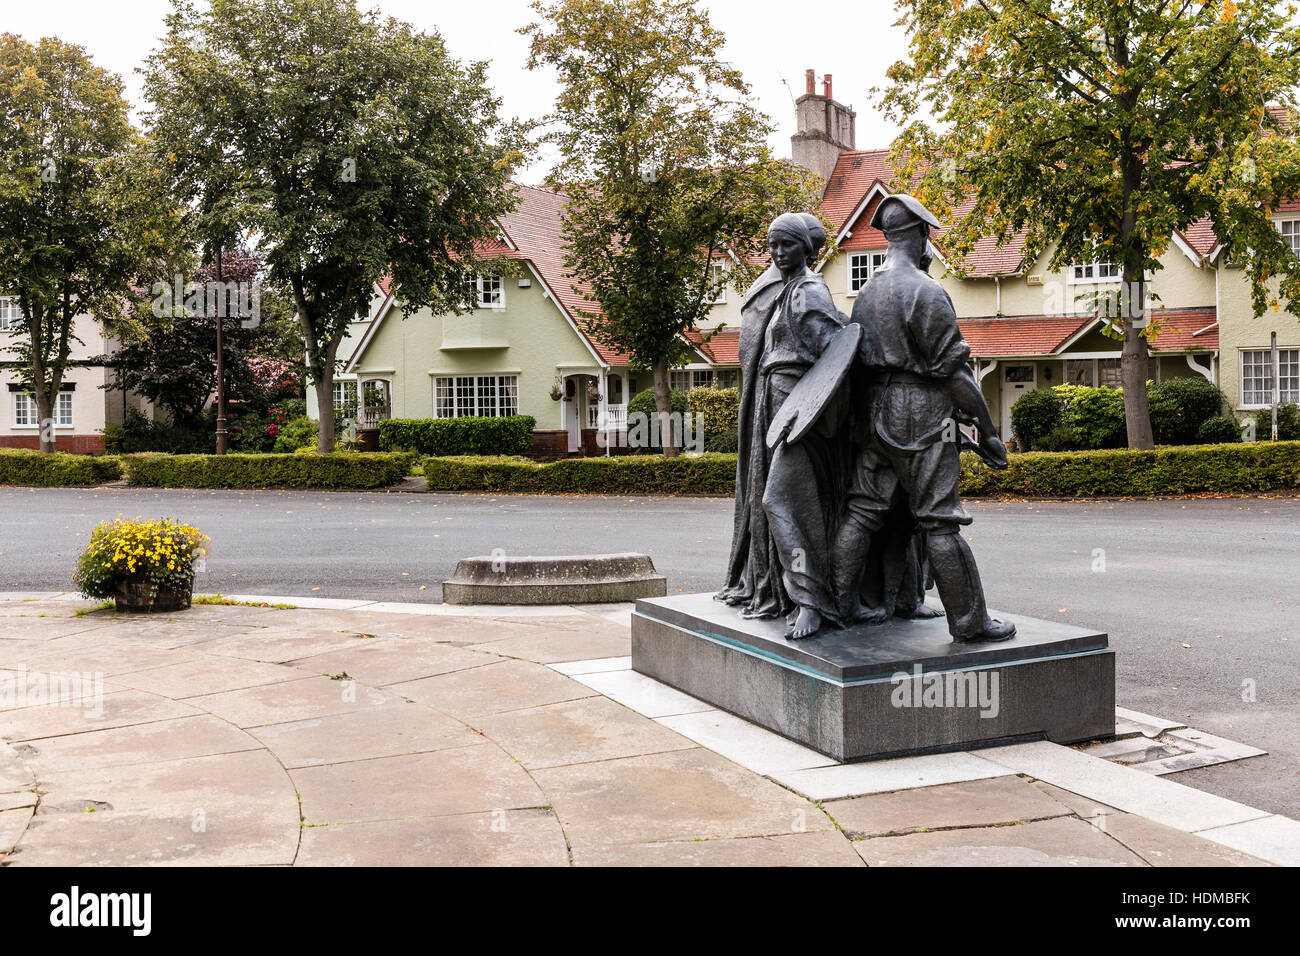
1102, 126
174, 362
350, 147
664, 161
82, 222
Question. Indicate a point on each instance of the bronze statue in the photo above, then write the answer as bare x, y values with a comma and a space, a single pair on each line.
846, 482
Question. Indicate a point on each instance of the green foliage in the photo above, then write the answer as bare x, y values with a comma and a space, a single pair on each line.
1034, 416
619, 475
664, 157
1288, 423
140, 434
332, 470
643, 402
726, 442
297, 433
718, 407
250, 429
20, 466
83, 222
1098, 127
1094, 415
351, 145
1113, 473
162, 552
1220, 430
507, 435
1179, 406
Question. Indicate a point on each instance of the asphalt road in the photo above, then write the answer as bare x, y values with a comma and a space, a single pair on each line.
1219, 575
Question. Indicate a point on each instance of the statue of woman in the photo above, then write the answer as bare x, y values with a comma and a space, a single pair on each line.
787, 499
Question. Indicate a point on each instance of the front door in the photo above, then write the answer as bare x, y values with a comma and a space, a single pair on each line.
1016, 381
573, 411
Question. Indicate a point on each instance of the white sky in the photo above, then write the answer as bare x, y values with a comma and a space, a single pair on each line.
852, 39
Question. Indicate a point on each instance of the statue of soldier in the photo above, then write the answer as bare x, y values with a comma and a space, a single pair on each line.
918, 387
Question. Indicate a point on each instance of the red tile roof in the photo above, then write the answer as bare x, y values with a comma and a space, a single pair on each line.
1045, 334
534, 228
722, 349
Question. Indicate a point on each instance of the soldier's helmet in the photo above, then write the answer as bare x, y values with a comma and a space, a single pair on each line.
900, 212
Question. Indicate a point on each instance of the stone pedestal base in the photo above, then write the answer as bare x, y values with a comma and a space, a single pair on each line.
890, 690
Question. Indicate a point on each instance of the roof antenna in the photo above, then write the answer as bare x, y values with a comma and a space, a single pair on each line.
787, 87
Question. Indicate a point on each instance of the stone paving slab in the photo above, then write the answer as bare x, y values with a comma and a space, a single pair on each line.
441, 754
493, 689
794, 849
117, 709
975, 803
13, 823
396, 728
682, 795
291, 700
1064, 841
577, 731
218, 810
380, 663
162, 740
500, 838
468, 779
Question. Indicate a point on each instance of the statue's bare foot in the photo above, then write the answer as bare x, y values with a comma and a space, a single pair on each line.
869, 615
805, 625
922, 612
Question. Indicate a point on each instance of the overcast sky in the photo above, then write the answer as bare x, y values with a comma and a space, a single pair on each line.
772, 44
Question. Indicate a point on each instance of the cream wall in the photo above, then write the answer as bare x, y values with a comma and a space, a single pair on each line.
541, 345
89, 401
1240, 329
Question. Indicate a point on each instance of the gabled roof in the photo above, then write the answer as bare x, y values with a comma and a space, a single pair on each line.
861, 180
722, 349
1050, 335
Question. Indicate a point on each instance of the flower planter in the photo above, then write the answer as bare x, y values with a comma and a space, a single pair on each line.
143, 596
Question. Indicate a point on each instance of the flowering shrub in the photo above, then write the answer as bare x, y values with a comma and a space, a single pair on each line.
253, 431
161, 551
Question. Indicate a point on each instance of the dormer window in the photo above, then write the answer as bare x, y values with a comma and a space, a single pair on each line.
487, 292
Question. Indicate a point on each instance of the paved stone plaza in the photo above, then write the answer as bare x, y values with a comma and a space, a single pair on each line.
256, 736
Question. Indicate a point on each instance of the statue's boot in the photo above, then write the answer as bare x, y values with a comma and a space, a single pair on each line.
958, 583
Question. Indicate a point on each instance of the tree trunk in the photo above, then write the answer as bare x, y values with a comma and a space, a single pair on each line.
325, 409
45, 416
1133, 366
663, 403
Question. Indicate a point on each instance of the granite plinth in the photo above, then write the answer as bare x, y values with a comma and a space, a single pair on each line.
899, 688
576, 579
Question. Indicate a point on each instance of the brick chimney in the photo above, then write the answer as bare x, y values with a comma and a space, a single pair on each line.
825, 129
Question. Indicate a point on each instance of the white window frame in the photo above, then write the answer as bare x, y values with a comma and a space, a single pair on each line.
1289, 366
9, 312
26, 415
699, 376
473, 396
719, 270
1290, 229
875, 264
1095, 266
489, 292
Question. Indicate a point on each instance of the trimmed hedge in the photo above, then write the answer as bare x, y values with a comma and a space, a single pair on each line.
22, 466
719, 408
335, 470
507, 435
1178, 470
707, 474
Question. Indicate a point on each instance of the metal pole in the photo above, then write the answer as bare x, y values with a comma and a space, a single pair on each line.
221, 365
1277, 382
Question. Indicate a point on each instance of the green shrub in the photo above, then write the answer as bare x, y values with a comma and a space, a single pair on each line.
1288, 423
140, 434
1179, 406
161, 551
709, 474
644, 402
727, 442
1220, 430
1094, 415
1035, 415
21, 466
508, 435
297, 433
334, 470
1177, 470
717, 409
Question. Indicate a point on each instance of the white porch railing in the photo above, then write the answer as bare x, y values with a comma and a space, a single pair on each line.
615, 417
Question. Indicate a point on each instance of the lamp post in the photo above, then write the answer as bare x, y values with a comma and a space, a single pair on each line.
221, 363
